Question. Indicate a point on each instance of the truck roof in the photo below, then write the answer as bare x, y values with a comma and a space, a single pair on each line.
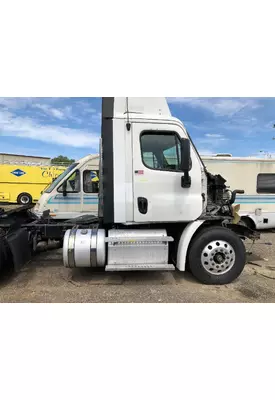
119, 106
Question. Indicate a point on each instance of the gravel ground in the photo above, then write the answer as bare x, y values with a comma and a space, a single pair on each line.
46, 280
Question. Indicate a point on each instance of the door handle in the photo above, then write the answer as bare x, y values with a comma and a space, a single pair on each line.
142, 205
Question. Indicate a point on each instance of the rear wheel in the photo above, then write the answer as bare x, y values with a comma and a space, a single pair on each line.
217, 256
24, 199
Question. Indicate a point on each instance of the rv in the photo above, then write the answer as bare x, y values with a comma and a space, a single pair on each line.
22, 183
257, 178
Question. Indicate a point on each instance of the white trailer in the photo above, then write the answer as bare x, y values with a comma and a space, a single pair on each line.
257, 178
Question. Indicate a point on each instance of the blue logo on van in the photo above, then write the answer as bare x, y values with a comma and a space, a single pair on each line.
18, 172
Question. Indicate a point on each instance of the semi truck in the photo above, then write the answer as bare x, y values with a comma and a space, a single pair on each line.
23, 184
166, 215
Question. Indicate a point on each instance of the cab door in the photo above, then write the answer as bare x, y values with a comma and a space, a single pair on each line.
158, 193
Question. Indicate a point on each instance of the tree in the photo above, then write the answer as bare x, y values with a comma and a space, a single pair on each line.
63, 160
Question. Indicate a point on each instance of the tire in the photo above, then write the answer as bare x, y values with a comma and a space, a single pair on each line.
216, 256
24, 199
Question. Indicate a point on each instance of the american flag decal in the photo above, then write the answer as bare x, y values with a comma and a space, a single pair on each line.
139, 172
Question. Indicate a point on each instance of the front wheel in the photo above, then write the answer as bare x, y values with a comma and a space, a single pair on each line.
217, 256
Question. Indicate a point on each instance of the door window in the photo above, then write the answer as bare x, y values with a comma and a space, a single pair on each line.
161, 150
72, 184
90, 181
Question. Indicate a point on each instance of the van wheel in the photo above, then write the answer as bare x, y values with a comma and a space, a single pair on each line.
217, 256
24, 199
247, 222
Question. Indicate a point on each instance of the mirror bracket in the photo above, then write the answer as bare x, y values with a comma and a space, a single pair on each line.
186, 180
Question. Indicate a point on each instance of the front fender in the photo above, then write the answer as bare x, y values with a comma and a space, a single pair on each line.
184, 242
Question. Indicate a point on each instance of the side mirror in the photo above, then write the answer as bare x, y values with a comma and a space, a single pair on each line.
185, 162
185, 154
64, 188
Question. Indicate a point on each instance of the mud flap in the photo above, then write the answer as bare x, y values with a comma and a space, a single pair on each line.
19, 247
4, 249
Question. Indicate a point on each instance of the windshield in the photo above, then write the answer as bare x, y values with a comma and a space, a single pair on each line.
59, 178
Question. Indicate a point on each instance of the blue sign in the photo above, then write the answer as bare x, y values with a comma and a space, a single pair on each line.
18, 172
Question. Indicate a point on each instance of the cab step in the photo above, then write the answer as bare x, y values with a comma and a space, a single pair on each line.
139, 267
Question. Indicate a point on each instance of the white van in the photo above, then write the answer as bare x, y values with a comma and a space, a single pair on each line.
74, 192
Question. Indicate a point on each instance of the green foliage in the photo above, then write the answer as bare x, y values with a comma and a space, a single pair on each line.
62, 160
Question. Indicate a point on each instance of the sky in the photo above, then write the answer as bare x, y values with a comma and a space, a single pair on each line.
71, 126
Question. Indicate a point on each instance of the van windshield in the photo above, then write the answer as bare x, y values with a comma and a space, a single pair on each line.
59, 178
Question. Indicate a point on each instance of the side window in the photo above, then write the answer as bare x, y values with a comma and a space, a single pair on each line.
72, 184
90, 181
161, 150
266, 183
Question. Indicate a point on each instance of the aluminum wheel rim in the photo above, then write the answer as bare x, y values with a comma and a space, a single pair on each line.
25, 199
218, 257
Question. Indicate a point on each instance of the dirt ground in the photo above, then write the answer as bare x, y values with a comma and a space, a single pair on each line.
46, 280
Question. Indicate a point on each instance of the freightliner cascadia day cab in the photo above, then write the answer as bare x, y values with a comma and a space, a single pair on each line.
159, 208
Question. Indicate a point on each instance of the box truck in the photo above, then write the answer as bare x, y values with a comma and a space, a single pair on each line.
23, 184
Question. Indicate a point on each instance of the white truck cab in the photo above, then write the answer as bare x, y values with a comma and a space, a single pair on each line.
159, 208
73, 193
